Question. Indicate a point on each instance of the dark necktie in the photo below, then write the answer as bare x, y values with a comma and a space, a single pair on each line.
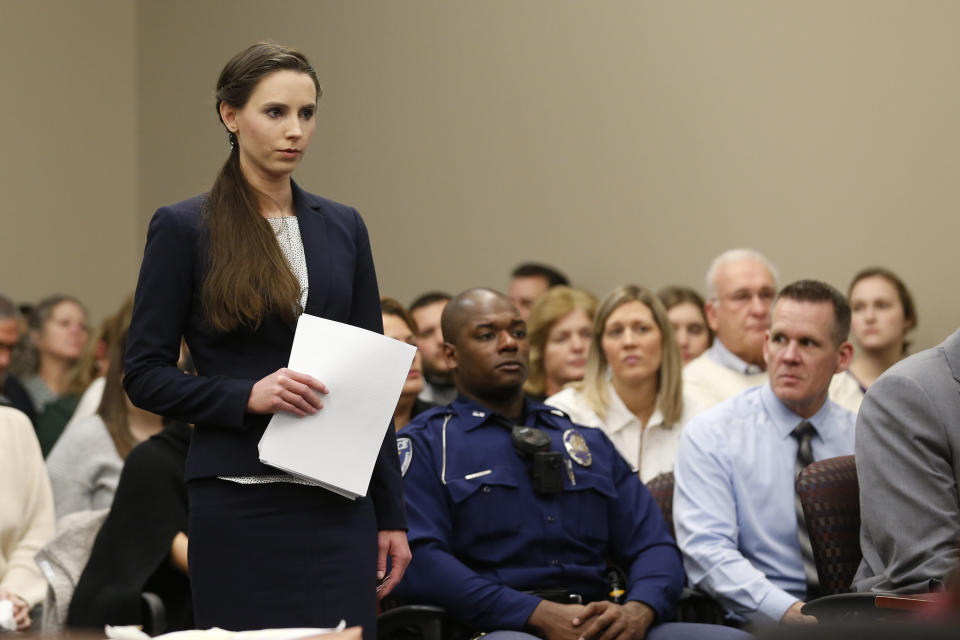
803, 432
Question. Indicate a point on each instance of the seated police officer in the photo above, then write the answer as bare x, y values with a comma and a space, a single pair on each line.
515, 512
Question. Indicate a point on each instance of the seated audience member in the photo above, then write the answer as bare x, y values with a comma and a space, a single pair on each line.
528, 281
559, 327
633, 388
58, 335
12, 392
89, 375
741, 284
142, 545
907, 464
85, 463
883, 314
501, 551
438, 383
735, 506
399, 325
688, 317
26, 514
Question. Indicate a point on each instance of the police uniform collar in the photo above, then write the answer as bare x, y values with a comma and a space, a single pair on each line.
472, 414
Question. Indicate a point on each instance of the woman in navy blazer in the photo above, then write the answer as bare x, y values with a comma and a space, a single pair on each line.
264, 550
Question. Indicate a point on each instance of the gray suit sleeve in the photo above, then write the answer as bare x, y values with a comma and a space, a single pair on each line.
910, 529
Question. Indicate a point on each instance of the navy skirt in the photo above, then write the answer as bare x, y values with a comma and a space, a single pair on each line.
281, 555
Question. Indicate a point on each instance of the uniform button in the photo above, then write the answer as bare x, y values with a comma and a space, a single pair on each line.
486, 488
555, 563
550, 519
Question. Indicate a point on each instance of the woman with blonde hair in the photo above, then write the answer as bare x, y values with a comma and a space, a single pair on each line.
559, 329
633, 388
58, 335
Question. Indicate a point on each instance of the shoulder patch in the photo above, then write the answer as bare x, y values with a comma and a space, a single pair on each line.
405, 451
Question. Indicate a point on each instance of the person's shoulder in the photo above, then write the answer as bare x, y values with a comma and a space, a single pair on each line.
422, 425
923, 365
15, 422
82, 436
702, 365
572, 402
331, 209
162, 451
729, 416
184, 215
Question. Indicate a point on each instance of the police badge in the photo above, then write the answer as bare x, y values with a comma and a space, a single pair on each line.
577, 448
405, 451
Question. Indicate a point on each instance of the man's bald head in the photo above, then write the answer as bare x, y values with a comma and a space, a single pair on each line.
465, 305
485, 346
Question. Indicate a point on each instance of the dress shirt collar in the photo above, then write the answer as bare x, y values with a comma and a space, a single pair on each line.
620, 417
473, 415
723, 356
785, 420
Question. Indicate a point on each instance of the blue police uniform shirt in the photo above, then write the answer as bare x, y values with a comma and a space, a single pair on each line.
480, 536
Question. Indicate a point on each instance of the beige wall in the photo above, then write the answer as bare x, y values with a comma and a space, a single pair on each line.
621, 141
68, 156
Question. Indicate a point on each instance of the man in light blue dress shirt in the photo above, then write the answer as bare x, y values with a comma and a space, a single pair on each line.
734, 504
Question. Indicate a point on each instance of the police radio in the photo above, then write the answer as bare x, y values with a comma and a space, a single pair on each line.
531, 443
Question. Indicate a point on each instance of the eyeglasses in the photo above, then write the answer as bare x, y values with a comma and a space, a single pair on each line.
741, 297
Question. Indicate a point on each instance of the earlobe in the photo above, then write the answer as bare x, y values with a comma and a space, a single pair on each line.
711, 311
846, 356
450, 356
228, 115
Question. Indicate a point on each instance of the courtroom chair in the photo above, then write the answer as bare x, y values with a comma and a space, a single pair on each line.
694, 605
662, 489
830, 495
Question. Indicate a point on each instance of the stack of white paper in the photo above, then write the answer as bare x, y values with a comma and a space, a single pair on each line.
338, 446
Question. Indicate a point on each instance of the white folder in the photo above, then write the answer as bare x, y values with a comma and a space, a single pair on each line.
337, 447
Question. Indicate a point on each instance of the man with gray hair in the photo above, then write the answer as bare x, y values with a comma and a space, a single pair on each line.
741, 284
12, 392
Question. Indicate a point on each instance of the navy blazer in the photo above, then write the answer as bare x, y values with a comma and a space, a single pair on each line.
342, 287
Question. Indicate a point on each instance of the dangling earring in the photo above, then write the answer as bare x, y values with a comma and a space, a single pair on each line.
233, 140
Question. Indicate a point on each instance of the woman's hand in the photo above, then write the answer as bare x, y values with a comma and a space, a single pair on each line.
286, 390
21, 610
391, 543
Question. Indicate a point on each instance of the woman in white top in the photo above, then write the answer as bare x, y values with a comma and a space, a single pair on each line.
632, 389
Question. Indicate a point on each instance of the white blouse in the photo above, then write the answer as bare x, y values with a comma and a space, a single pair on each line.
651, 450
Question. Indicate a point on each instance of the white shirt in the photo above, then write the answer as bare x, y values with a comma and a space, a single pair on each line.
651, 450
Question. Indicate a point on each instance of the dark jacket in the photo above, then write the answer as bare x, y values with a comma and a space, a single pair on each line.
342, 287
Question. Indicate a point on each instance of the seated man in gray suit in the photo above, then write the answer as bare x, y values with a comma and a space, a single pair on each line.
908, 464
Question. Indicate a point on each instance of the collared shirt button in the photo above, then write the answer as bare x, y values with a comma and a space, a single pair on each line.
550, 519
486, 488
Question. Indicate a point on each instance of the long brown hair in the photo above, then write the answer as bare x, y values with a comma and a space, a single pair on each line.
113, 405
247, 276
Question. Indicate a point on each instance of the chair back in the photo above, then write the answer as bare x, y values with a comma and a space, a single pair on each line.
662, 489
830, 495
